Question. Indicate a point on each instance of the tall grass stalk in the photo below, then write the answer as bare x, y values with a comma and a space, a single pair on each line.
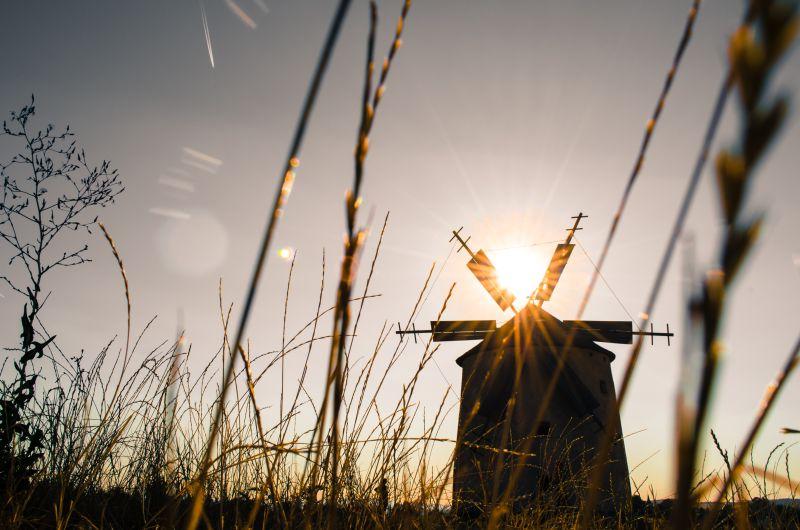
281, 196
770, 397
353, 243
754, 54
677, 229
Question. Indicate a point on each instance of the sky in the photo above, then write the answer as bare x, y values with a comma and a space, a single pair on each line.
504, 117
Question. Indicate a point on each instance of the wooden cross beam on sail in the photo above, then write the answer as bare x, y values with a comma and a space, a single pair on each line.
481, 266
448, 330
557, 264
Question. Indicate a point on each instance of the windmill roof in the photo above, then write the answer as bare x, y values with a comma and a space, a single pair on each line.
537, 326
537, 330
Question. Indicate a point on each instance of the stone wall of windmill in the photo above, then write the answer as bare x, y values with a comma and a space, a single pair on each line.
561, 447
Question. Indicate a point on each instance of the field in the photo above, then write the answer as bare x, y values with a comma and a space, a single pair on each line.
130, 437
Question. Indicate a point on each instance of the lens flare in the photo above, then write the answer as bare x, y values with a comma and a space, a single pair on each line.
240, 14
286, 253
194, 246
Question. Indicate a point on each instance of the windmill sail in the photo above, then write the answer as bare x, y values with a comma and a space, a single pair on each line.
484, 271
447, 330
614, 331
554, 270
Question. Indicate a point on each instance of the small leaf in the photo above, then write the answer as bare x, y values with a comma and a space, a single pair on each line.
731, 179
27, 328
738, 243
748, 61
778, 24
713, 302
36, 351
762, 126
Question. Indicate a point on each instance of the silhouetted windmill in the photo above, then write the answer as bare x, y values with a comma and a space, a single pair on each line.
504, 386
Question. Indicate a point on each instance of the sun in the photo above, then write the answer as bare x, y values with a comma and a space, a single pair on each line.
519, 270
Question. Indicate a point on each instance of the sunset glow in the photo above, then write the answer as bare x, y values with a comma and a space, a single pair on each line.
445, 264
519, 270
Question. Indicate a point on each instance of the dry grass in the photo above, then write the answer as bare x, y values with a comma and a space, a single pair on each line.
131, 462
152, 445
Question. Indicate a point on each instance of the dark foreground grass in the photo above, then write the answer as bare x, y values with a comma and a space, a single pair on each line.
154, 507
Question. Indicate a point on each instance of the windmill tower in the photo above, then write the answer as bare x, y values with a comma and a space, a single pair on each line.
536, 394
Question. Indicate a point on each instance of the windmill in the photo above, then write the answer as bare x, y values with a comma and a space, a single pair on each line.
504, 392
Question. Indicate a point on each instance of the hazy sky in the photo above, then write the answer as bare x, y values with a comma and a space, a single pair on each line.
506, 117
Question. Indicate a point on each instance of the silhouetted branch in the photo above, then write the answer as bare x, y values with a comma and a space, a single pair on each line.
49, 187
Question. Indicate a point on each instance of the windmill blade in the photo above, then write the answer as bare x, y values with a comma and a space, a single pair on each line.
447, 330
554, 270
613, 331
484, 271
557, 264
450, 330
